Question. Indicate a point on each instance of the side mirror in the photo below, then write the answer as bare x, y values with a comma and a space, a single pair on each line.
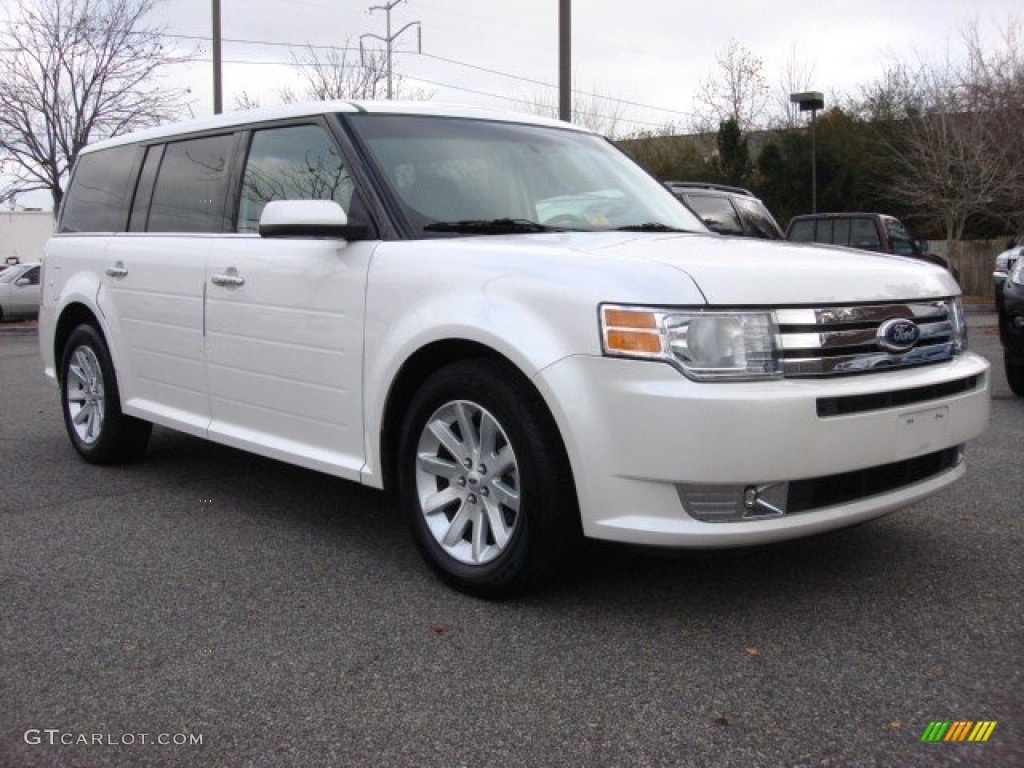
307, 218
23, 281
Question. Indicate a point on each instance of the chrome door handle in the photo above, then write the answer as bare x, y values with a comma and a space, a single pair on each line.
231, 280
117, 270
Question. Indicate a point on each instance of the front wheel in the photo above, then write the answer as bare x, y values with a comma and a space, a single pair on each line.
484, 480
91, 402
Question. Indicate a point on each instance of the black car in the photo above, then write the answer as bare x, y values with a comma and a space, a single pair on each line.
728, 210
1011, 325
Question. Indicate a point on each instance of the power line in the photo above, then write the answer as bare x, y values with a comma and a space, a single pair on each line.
444, 59
435, 57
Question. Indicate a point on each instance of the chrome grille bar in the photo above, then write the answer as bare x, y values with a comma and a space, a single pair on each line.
832, 341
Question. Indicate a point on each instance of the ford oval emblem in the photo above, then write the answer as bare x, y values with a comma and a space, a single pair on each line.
898, 334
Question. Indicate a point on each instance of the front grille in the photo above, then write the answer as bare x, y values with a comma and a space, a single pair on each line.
843, 340
805, 495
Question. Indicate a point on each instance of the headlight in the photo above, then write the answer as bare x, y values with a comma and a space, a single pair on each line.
959, 321
1017, 273
704, 345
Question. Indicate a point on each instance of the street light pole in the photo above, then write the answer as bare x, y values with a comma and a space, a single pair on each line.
811, 101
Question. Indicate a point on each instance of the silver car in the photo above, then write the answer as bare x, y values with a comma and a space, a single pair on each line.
19, 291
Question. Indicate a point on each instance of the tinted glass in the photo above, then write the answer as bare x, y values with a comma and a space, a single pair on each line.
191, 186
97, 199
899, 238
802, 231
758, 222
841, 231
823, 232
294, 163
716, 212
863, 234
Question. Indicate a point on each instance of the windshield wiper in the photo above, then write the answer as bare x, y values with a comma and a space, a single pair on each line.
650, 226
490, 226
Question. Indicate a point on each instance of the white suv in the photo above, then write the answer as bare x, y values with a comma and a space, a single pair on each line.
506, 321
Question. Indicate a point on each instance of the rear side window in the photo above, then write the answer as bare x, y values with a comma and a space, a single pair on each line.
717, 213
293, 163
802, 231
100, 191
841, 232
191, 186
758, 221
864, 234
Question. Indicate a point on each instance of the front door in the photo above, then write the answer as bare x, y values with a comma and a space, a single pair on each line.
284, 316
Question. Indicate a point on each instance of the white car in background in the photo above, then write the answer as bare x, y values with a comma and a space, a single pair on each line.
19, 291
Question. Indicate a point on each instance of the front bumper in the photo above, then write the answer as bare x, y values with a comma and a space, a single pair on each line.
641, 438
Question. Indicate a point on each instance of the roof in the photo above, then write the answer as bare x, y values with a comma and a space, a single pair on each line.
314, 108
843, 215
712, 187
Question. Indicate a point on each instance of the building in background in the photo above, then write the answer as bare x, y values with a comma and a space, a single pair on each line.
23, 234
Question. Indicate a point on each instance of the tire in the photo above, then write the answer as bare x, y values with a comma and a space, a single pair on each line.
91, 403
484, 481
1014, 373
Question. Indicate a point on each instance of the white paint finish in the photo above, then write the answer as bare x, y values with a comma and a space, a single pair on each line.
635, 429
155, 316
284, 349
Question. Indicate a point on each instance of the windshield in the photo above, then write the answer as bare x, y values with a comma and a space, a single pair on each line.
459, 176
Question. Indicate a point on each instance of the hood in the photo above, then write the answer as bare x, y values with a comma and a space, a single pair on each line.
748, 271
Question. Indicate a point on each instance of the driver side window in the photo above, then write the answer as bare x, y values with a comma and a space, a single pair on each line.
294, 163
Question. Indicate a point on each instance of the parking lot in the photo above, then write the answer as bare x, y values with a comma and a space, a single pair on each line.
211, 608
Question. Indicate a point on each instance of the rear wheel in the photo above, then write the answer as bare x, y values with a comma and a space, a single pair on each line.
91, 402
484, 480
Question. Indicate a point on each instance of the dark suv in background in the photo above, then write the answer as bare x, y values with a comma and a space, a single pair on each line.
728, 210
1009, 282
865, 231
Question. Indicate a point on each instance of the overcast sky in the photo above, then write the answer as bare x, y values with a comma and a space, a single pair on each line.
649, 53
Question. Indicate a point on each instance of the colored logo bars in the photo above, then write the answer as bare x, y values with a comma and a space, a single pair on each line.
958, 730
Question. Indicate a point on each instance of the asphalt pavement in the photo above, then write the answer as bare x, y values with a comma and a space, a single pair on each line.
205, 607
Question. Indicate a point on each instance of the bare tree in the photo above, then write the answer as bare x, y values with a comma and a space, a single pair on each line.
338, 73
951, 132
71, 72
736, 89
796, 77
600, 114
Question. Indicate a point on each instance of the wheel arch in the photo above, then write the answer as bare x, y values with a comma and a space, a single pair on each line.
421, 364
71, 316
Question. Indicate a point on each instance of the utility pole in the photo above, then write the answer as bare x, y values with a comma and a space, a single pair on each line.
565, 60
217, 105
389, 38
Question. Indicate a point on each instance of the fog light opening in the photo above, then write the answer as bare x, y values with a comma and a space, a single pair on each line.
733, 503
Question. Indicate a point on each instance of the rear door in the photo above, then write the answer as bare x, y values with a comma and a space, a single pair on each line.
155, 279
284, 316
